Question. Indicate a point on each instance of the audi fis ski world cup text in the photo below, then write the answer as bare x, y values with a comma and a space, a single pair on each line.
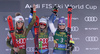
62, 6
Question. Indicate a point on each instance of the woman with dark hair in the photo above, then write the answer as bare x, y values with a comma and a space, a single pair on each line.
59, 35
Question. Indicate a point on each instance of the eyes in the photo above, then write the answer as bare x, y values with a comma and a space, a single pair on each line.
43, 24
20, 22
62, 24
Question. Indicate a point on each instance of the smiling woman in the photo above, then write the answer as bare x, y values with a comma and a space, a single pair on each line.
19, 34
19, 22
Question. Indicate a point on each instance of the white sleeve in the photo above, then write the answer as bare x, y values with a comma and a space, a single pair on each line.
52, 28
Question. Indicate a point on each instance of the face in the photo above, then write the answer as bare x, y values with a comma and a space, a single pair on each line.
61, 26
42, 25
20, 24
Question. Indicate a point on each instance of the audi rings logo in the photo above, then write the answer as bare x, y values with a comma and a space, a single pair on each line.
90, 18
74, 28
50, 38
91, 38
30, 49
76, 49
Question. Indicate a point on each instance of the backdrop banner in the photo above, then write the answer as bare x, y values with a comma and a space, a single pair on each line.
85, 22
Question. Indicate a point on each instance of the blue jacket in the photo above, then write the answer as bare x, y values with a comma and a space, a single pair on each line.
32, 30
53, 17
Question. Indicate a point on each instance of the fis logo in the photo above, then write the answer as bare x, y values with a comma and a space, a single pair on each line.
91, 38
91, 19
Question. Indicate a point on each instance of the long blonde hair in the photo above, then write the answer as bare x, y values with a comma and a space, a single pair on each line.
24, 29
44, 30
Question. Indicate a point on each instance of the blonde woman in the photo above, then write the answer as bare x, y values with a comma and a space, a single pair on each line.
44, 32
20, 33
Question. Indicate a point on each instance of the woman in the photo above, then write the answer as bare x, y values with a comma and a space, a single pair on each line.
20, 33
59, 34
43, 34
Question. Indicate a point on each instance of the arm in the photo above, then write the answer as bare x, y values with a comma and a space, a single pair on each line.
33, 20
51, 25
52, 18
30, 16
29, 20
9, 40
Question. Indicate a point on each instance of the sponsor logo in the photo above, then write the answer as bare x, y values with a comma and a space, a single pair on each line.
30, 49
76, 38
76, 49
90, 18
6, 28
91, 28
26, 18
51, 38
8, 49
91, 38
30, 38
92, 48
67, 18
12, 19
74, 28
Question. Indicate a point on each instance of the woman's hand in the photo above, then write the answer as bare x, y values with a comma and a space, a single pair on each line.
34, 7
16, 49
